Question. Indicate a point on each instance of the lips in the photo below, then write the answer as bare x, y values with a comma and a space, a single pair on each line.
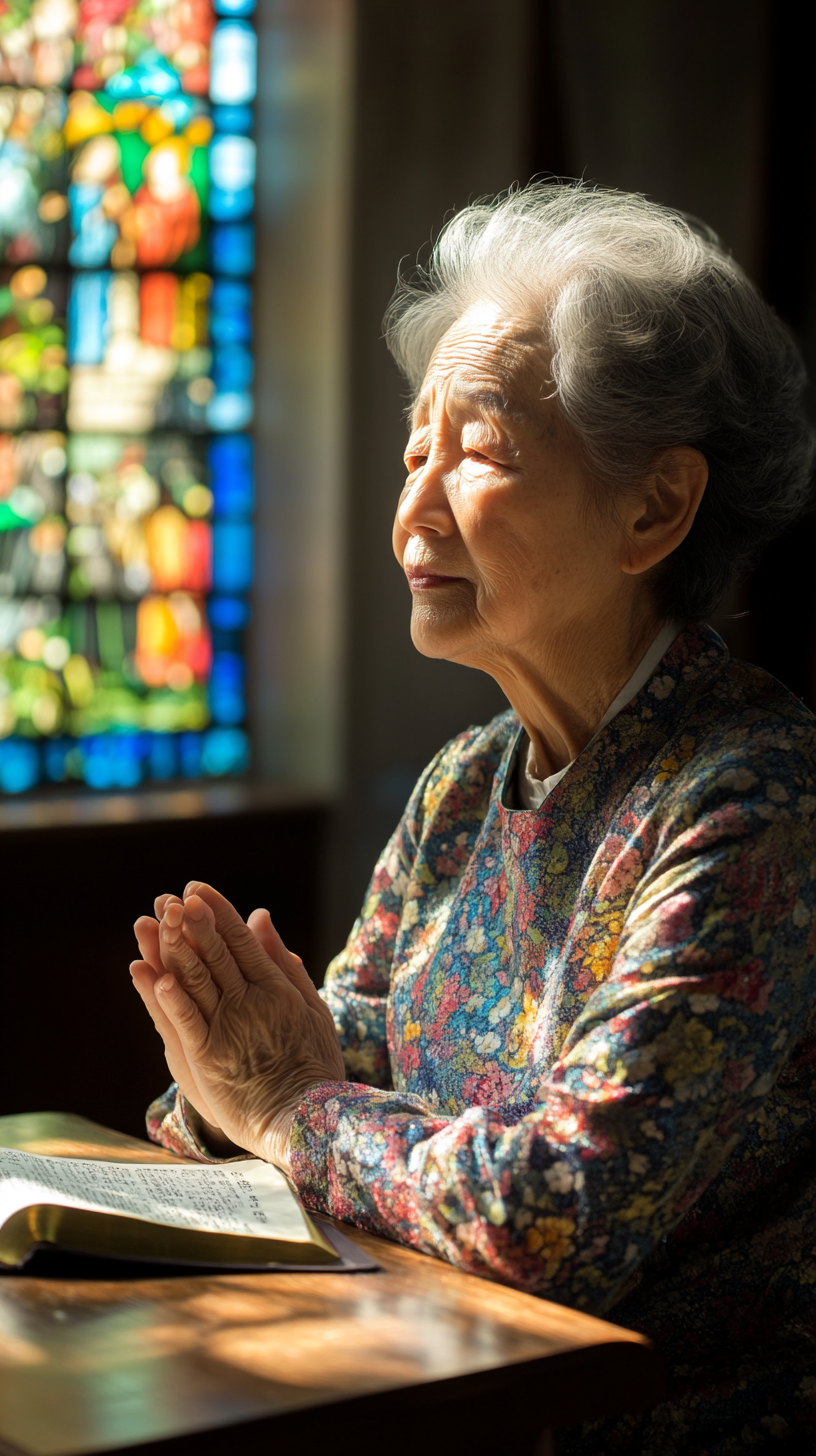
423, 578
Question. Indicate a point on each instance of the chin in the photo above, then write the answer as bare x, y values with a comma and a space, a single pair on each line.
437, 631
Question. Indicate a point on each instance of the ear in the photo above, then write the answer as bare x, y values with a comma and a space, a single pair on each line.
662, 513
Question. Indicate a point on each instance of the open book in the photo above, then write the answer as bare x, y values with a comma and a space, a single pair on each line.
127, 1206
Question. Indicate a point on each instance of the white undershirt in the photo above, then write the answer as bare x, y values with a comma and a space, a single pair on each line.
533, 791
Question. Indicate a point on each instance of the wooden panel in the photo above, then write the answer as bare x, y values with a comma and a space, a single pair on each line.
91, 1365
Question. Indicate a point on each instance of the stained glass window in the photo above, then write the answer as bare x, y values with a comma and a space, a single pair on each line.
127, 191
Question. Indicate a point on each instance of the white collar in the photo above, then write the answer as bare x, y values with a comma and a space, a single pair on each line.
533, 791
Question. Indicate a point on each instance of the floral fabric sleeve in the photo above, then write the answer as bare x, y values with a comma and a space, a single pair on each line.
172, 1122
654, 1088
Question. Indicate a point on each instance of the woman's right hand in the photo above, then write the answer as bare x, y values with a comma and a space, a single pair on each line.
145, 974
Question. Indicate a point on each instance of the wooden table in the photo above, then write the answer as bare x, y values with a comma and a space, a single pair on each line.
415, 1358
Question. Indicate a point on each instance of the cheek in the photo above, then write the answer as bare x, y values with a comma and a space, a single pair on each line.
506, 543
523, 550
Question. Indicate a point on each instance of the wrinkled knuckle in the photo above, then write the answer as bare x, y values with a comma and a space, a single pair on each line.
188, 1016
204, 936
183, 952
209, 941
196, 980
219, 958
240, 946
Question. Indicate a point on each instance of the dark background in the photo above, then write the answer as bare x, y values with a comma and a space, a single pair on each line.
709, 107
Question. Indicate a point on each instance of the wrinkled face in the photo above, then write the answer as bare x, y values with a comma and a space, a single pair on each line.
497, 530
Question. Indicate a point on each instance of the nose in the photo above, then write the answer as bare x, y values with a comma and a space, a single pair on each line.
424, 508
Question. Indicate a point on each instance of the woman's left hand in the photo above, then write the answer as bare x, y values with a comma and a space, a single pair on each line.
253, 1029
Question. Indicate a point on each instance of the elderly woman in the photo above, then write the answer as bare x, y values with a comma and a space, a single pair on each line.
569, 1044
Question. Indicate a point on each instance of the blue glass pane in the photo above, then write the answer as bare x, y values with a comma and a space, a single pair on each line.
153, 75
230, 411
232, 249
233, 368
95, 235
178, 110
237, 120
113, 761
226, 751
229, 297
231, 463
226, 690
232, 556
235, 7
228, 614
231, 206
55, 758
88, 318
19, 765
163, 756
233, 63
230, 312
232, 173
232, 162
190, 749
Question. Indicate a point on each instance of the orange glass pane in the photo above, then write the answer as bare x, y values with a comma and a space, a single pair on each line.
157, 308
172, 641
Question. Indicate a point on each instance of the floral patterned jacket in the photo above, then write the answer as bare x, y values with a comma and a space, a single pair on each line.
581, 1041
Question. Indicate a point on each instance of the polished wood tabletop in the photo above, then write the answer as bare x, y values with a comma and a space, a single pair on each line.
414, 1357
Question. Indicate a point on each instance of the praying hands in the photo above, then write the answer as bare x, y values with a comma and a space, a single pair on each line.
245, 1033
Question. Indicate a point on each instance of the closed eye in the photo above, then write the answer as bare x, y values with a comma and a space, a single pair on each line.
479, 458
413, 463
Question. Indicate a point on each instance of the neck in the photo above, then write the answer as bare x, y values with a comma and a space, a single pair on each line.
561, 688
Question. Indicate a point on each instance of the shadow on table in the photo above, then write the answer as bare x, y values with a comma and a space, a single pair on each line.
62, 1264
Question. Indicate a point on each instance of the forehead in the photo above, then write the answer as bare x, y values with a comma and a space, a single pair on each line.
488, 363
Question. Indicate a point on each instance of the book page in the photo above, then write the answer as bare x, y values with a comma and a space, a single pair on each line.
248, 1197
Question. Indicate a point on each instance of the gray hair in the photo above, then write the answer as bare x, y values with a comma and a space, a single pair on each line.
658, 338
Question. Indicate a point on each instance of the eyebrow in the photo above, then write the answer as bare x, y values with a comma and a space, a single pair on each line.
491, 400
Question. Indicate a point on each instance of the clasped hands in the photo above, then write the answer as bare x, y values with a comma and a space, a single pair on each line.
245, 1033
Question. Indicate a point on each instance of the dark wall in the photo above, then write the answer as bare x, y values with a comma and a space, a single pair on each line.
781, 593
670, 100
74, 1035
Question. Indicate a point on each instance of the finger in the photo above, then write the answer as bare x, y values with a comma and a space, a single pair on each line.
180, 958
260, 923
146, 931
202, 936
144, 979
249, 955
184, 1015
161, 902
